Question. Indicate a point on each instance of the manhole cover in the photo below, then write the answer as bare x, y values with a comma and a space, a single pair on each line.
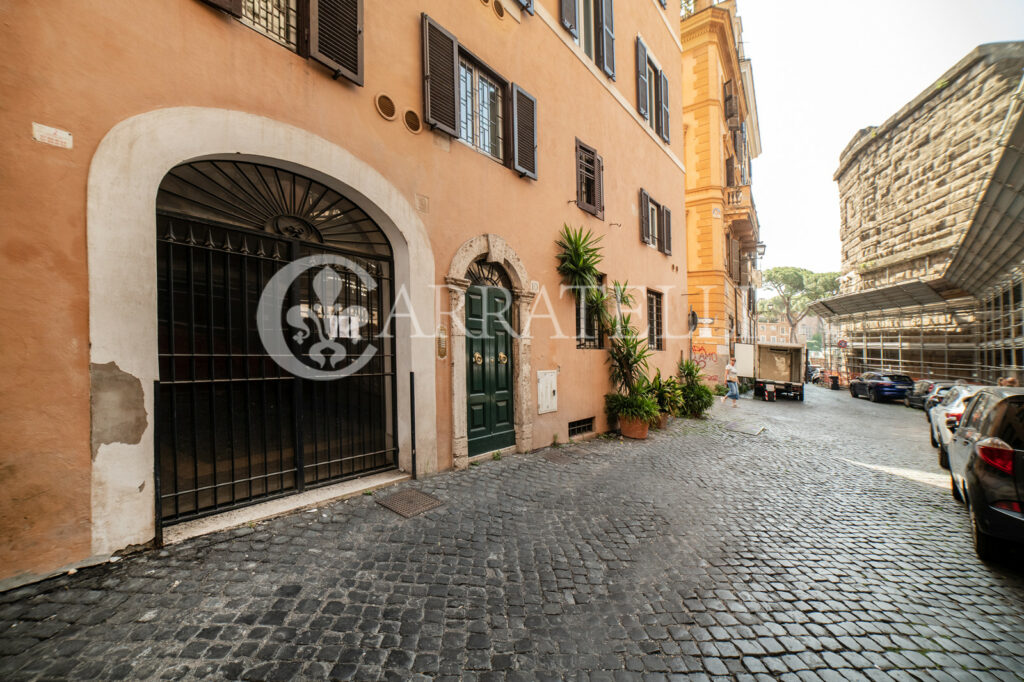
748, 429
557, 457
409, 502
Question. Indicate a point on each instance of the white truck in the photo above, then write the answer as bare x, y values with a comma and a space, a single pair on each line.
776, 368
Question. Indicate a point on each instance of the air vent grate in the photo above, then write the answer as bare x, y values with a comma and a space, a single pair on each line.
386, 106
499, 9
412, 121
581, 426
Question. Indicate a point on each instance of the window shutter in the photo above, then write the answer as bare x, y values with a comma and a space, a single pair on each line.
440, 78
642, 83
524, 131
526, 4
232, 7
645, 217
663, 106
336, 36
735, 265
569, 20
666, 227
599, 185
605, 36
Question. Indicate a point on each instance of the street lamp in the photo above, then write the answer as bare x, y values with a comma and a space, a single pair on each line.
760, 249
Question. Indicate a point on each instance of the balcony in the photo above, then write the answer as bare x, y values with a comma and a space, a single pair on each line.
741, 215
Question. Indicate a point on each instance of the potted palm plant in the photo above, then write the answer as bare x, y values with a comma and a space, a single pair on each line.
632, 402
668, 394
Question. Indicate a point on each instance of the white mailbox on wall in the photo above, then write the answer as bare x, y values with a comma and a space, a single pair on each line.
547, 391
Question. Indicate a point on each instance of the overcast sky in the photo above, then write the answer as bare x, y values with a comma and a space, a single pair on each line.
822, 71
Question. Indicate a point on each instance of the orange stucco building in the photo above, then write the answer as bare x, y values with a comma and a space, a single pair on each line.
721, 137
166, 160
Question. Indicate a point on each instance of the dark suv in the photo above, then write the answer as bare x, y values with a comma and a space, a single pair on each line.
986, 464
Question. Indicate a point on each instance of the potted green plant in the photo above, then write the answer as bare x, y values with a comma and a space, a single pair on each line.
667, 393
695, 396
635, 412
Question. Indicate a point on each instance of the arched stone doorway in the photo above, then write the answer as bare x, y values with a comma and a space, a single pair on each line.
237, 420
124, 176
486, 266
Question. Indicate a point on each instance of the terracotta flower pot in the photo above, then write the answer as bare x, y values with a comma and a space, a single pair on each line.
633, 428
663, 420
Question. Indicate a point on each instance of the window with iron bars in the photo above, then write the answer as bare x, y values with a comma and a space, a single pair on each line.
589, 334
276, 19
481, 110
655, 329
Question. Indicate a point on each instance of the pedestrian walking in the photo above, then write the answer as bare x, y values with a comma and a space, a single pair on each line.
732, 380
1010, 381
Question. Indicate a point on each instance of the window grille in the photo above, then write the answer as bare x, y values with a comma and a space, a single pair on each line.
655, 335
481, 111
276, 19
581, 426
588, 327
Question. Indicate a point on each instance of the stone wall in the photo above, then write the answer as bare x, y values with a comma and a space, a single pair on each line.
908, 188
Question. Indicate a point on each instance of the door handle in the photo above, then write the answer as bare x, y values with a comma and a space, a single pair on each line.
502, 358
478, 359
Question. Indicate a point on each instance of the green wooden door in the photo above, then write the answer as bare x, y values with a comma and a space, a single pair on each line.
491, 416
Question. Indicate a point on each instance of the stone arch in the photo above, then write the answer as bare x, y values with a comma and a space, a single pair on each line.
493, 249
124, 175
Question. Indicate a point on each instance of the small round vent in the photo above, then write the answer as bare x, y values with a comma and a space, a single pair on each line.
412, 121
385, 106
486, 2
499, 9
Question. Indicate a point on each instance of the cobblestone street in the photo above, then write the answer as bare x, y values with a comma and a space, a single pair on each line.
826, 547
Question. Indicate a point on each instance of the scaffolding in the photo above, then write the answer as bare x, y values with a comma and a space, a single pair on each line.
977, 341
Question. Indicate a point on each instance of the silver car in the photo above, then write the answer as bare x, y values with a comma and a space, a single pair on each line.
952, 406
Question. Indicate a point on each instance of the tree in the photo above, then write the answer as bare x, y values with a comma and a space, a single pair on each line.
770, 309
797, 288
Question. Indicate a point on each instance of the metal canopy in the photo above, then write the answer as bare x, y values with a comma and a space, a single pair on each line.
994, 243
903, 295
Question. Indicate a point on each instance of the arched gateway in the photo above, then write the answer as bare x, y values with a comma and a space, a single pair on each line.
236, 423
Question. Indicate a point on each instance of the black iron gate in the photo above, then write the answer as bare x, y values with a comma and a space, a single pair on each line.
233, 426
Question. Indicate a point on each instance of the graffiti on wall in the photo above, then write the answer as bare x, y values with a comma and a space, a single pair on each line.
704, 356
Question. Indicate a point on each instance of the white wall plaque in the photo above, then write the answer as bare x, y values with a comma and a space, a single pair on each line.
49, 135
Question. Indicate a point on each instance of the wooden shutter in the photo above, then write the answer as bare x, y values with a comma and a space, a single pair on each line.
645, 217
336, 36
526, 5
604, 35
663, 110
524, 132
735, 265
599, 185
440, 78
666, 234
232, 7
642, 82
569, 20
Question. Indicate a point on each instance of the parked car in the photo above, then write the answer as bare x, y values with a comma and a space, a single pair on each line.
811, 371
935, 397
876, 386
949, 411
986, 457
922, 389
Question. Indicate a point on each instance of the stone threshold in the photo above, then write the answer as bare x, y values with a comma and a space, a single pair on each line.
284, 505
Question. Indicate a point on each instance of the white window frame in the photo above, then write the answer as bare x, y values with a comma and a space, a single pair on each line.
585, 27
475, 103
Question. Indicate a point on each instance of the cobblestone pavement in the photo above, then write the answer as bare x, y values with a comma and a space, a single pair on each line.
827, 547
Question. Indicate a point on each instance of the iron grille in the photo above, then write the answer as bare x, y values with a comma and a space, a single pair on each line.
655, 336
233, 426
581, 426
276, 19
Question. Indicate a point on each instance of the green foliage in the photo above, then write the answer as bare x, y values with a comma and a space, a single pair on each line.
815, 342
720, 389
696, 397
797, 288
496, 456
666, 392
578, 258
627, 357
639, 406
770, 309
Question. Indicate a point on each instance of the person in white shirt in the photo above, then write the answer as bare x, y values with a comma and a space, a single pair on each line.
732, 380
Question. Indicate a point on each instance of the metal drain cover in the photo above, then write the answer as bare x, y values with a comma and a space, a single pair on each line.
409, 502
557, 457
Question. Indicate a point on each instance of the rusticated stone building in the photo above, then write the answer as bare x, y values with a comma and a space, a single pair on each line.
926, 198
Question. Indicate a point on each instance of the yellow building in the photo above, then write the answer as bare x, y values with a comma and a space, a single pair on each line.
720, 138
